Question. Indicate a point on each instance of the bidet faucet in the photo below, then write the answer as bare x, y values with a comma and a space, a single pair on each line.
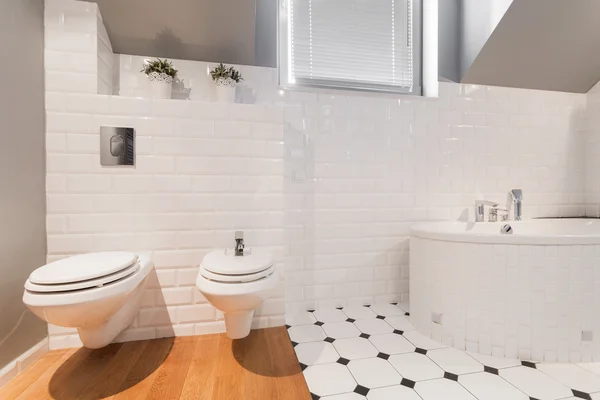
239, 243
515, 199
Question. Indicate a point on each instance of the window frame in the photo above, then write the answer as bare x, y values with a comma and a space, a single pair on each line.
284, 58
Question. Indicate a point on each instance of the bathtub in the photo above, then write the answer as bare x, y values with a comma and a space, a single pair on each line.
533, 294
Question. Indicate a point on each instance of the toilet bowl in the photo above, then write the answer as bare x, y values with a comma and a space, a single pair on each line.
237, 285
97, 293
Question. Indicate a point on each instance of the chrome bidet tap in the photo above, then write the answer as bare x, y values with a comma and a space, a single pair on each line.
239, 243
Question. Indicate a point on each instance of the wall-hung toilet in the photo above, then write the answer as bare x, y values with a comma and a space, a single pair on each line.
237, 285
97, 293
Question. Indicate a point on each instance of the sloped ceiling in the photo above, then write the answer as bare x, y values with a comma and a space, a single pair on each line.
542, 44
538, 44
203, 30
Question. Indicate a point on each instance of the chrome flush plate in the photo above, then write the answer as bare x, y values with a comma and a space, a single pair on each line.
117, 146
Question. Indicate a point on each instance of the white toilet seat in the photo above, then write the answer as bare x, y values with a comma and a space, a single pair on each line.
209, 287
82, 272
78, 286
224, 267
81, 268
233, 279
116, 288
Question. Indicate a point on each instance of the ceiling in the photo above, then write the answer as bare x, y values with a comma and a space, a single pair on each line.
202, 30
537, 44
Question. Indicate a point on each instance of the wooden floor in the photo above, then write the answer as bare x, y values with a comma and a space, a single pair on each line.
261, 366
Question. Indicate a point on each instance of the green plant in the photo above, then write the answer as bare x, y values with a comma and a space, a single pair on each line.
222, 72
160, 67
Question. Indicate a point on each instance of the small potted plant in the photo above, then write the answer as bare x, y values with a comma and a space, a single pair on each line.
226, 80
160, 74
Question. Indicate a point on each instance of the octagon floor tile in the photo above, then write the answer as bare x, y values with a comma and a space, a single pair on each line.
314, 353
416, 367
490, 387
455, 361
392, 343
422, 341
300, 318
439, 389
359, 312
401, 323
572, 376
330, 315
393, 392
373, 326
306, 333
329, 379
387, 310
374, 372
341, 330
355, 348
535, 383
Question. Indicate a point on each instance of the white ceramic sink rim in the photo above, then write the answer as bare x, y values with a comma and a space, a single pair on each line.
533, 232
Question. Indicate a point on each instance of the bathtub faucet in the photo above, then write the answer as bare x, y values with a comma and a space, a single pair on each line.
480, 209
515, 198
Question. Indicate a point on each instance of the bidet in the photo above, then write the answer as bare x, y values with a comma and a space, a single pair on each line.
237, 281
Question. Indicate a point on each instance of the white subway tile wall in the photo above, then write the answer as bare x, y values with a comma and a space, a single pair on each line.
78, 55
203, 170
105, 59
361, 169
592, 153
189, 191
329, 181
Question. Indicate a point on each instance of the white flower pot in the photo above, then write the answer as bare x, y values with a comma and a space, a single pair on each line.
225, 90
161, 85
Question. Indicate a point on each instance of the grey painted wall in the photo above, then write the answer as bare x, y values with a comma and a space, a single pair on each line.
542, 44
231, 31
266, 31
449, 36
22, 170
478, 19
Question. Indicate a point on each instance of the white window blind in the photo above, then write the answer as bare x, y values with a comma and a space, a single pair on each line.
364, 44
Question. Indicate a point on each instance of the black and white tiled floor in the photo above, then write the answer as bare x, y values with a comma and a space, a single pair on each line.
374, 353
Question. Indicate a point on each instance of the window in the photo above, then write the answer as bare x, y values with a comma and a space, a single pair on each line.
354, 44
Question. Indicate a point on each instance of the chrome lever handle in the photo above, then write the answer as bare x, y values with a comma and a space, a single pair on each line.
480, 208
